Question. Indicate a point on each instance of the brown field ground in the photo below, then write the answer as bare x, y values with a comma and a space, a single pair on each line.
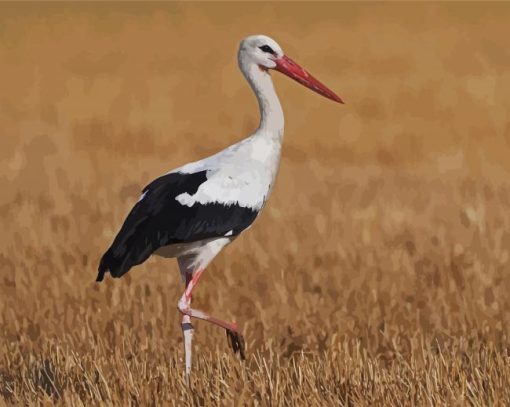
378, 274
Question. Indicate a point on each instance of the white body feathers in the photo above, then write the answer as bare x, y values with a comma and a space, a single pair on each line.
242, 174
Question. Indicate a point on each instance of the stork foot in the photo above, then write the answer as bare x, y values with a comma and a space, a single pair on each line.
236, 342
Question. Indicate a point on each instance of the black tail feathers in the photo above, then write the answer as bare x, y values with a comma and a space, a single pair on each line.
103, 268
116, 265
109, 263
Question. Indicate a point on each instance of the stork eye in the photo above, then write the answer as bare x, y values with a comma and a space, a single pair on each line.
267, 48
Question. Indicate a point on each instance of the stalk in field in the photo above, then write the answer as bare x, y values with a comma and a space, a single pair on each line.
194, 211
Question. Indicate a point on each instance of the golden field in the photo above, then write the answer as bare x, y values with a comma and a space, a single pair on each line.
378, 273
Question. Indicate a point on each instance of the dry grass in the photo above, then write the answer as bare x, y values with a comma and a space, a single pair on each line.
377, 274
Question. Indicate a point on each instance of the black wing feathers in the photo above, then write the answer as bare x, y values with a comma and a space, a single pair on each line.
159, 219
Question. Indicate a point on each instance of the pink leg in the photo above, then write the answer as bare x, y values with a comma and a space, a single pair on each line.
187, 331
184, 306
185, 302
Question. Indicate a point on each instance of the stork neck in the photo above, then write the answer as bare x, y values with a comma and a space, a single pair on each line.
271, 113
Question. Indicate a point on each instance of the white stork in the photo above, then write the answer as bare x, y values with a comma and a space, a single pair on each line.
194, 211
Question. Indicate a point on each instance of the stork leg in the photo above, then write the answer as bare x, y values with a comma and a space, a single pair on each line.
187, 331
235, 338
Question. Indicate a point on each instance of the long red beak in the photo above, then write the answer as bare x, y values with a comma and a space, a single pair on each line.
288, 67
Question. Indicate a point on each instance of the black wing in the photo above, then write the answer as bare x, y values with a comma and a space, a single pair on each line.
159, 219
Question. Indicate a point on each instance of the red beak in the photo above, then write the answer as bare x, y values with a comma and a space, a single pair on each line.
288, 67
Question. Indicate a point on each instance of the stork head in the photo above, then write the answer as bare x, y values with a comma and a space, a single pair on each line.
267, 54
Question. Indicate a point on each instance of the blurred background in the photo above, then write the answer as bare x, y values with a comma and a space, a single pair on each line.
426, 86
387, 228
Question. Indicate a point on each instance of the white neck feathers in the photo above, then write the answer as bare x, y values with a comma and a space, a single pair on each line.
271, 113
